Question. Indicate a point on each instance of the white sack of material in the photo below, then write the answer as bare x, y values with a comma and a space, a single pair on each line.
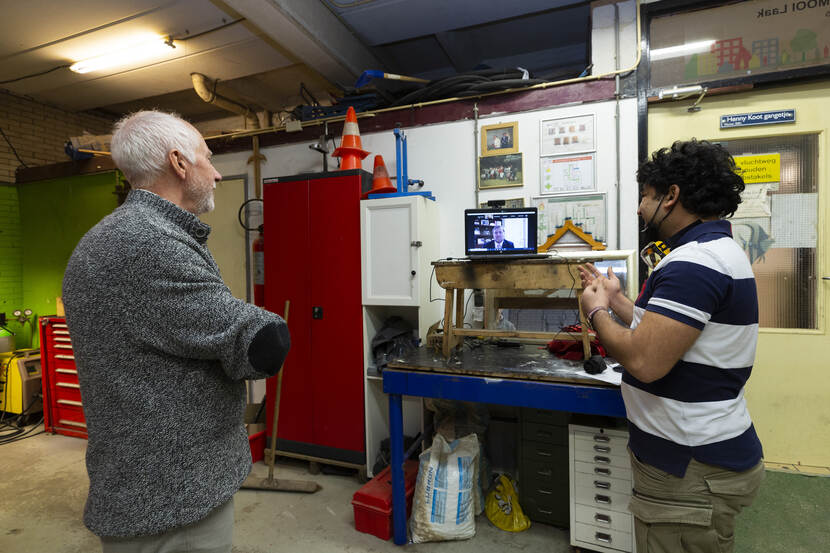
443, 505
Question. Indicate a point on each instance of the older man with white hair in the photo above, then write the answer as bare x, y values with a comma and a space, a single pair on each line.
163, 349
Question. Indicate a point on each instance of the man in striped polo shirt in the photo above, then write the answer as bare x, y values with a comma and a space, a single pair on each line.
687, 353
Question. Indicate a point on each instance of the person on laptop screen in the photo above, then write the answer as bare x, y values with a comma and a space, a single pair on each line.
498, 242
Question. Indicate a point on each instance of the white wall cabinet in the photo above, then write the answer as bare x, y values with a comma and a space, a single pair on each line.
601, 482
399, 238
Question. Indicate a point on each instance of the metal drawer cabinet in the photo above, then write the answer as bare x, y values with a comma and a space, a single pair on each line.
543, 466
63, 411
600, 489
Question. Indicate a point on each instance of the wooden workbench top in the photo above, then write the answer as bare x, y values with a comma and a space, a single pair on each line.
527, 362
518, 274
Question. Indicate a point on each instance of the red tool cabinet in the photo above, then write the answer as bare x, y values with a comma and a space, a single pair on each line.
63, 411
312, 259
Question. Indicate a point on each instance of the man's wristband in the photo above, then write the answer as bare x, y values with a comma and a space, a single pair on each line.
593, 312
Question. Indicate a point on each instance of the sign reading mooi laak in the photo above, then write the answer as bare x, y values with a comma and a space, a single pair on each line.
757, 118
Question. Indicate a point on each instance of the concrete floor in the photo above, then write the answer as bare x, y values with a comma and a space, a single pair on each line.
45, 485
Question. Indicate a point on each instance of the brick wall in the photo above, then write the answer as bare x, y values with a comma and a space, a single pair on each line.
38, 132
11, 251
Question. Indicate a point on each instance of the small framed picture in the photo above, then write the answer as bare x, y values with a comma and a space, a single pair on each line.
500, 171
512, 202
500, 139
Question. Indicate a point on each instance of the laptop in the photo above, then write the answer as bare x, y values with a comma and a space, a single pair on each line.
500, 233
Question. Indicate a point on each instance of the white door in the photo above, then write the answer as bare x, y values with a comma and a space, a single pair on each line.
389, 256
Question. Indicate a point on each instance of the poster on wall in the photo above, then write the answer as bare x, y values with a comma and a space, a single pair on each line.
566, 136
567, 174
738, 39
586, 210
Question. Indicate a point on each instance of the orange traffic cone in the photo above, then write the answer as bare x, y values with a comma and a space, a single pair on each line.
380, 180
350, 151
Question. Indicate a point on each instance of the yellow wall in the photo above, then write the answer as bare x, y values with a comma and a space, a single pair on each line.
789, 392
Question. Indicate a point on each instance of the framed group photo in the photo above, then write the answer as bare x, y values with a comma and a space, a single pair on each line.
500, 171
499, 139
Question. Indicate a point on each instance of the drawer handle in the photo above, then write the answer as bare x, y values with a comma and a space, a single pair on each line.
70, 402
545, 512
65, 371
68, 385
603, 537
603, 471
543, 453
63, 346
601, 459
602, 485
601, 438
602, 448
59, 325
599, 517
62, 332
71, 423
67, 339
604, 499
545, 472
544, 492
72, 357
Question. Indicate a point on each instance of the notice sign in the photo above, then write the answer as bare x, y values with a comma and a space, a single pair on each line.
759, 168
757, 118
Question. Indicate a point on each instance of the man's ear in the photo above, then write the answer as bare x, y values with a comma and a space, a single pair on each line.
672, 196
177, 163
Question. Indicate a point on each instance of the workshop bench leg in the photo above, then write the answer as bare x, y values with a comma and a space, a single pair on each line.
398, 491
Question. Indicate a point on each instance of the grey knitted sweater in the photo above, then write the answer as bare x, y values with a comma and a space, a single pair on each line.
162, 350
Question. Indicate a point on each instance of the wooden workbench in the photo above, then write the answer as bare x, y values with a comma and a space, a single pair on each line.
524, 282
521, 377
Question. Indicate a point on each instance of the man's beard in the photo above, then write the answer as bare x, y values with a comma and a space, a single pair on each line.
201, 199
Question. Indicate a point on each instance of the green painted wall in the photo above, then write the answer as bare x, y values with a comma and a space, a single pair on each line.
11, 256
54, 215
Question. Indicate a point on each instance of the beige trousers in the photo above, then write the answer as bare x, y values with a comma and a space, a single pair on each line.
693, 514
212, 534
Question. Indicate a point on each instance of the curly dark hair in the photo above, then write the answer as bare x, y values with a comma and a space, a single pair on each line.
704, 172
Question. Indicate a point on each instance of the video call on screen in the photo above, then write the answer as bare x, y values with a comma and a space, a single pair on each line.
481, 231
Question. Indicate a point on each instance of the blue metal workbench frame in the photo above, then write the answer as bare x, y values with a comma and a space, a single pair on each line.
575, 398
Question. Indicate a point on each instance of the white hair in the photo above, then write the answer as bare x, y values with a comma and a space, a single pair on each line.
141, 142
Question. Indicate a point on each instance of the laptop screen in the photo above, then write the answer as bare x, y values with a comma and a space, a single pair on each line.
500, 231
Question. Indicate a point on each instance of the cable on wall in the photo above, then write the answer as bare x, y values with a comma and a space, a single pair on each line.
9, 142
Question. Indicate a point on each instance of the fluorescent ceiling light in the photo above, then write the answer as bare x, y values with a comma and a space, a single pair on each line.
681, 50
146, 49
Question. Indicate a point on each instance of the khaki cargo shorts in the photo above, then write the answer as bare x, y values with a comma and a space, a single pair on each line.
695, 513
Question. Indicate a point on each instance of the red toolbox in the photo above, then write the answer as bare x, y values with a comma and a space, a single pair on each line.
373, 502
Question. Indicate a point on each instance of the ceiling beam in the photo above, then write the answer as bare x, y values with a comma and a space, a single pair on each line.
312, 33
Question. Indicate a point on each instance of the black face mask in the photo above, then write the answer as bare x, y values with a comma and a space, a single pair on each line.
648, 233
649, 230
650, 224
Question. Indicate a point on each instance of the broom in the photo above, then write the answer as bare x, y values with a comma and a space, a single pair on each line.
271, 483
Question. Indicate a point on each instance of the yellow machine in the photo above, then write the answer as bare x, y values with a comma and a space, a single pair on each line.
20, 383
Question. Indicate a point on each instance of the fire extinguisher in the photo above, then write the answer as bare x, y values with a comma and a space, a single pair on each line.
258, 247
259, 269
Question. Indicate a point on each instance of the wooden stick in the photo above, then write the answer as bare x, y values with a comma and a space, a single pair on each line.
276, 410
448, 322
